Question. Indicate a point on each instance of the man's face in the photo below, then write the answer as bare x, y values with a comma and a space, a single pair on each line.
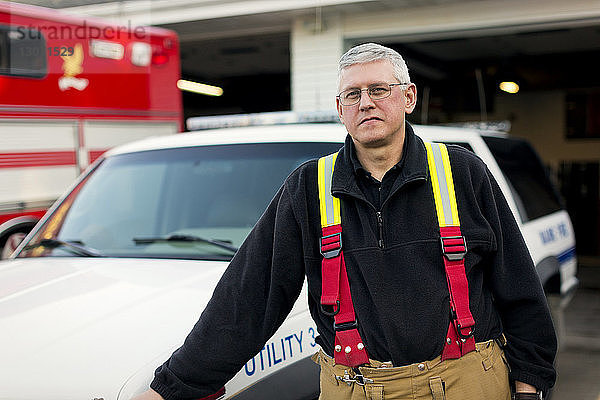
375, 123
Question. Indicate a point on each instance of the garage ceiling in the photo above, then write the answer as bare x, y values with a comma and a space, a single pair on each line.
570, 53
62, 3
252, 44
229, 50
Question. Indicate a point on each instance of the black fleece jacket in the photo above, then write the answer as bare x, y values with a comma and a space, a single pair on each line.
395, 270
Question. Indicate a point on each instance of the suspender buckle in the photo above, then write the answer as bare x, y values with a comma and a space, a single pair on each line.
459, 328
468, 335
334, 307
331, 245
345, 326
454, 248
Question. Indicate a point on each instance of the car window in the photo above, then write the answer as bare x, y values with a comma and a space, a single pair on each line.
213, 192
22, 52
529, 183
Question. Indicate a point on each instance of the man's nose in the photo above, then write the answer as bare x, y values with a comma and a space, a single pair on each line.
365, 101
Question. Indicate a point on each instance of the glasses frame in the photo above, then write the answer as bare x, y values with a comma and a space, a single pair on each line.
391, 85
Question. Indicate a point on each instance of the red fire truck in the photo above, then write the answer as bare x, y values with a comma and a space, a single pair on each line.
71, 88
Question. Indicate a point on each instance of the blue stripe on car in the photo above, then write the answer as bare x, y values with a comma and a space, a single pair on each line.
566, 255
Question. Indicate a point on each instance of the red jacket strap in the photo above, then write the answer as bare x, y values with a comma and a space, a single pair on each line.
459, 339
331, 247
349, 348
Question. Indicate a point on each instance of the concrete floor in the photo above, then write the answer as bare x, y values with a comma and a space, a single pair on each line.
578, 361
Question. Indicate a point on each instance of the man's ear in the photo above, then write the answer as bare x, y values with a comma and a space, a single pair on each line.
339, 109
410, 98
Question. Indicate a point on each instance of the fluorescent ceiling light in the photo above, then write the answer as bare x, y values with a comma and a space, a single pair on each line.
509, 87
199, 88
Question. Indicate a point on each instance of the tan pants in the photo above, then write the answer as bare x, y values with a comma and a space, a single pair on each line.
478, 375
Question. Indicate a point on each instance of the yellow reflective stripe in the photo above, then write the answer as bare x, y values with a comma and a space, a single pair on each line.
435, 185
328, 204
322, 201
337, 215
442, 184
450, 183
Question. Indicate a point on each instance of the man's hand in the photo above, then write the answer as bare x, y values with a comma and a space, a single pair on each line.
521, 387
148, 395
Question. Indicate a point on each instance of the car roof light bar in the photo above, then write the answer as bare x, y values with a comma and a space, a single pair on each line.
496, 126
260, 119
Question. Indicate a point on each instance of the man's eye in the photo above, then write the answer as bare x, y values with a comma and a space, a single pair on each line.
378, 90
352, 94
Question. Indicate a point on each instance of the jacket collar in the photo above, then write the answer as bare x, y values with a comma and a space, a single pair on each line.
359, 170
413, 165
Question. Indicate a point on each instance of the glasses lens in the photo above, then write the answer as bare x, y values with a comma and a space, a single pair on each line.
379, 91
376, 92
350, 97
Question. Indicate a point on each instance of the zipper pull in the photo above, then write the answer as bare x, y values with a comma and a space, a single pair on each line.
380, 225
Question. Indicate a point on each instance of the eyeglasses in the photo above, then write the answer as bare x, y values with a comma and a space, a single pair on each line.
377, 91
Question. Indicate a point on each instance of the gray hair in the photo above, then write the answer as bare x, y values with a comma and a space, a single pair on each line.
369, 52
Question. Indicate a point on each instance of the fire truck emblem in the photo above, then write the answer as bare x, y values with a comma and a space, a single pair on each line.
72, 65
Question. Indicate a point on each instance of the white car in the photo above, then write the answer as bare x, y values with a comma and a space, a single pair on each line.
112, 279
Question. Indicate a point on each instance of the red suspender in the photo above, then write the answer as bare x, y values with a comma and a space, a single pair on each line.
336, 298
459, 339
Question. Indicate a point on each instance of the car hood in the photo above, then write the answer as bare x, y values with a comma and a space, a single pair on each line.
78, 328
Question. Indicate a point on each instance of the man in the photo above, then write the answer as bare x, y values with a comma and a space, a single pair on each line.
394, 267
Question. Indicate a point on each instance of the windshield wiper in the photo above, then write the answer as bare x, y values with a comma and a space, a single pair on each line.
75, 247
187, 238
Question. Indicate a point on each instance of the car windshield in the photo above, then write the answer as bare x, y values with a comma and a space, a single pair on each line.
194, 202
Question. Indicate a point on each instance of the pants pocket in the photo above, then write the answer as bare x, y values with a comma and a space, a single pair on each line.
495, 375
437, 386
374, 392
477, 375
505, 362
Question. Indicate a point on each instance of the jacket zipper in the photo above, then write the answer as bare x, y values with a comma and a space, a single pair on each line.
380, 225
380, 242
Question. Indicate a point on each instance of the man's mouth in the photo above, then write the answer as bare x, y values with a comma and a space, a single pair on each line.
369, 119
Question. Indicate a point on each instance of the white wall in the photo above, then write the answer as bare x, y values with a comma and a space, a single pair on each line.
315, 50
